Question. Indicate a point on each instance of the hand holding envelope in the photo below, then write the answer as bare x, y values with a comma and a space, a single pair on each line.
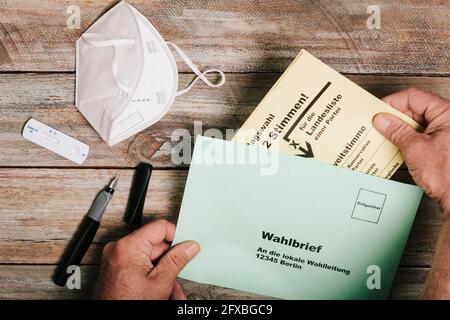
129, 269
309, 231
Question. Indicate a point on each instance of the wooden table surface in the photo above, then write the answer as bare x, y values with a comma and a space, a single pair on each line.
43, 197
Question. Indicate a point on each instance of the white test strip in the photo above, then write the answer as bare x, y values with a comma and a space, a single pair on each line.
55, 141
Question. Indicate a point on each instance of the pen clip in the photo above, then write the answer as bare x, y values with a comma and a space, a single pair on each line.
138, 193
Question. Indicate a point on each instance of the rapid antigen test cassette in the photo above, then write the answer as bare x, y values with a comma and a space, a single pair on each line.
55, 141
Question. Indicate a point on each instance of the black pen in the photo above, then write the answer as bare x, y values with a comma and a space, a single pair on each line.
84, 235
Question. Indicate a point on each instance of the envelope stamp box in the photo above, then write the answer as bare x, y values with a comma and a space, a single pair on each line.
368, 205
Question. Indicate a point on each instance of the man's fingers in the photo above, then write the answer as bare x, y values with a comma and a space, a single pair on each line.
178, 293
147, 242
420, 105
395, 130
159, 250
154, 232
399, 101
170, 265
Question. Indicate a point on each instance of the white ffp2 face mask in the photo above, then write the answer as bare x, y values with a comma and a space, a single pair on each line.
126, 76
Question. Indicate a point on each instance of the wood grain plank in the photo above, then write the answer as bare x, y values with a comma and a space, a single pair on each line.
50, 99
245, 35
40, 210
34, 282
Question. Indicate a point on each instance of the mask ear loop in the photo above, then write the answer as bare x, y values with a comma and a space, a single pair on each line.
194, 68
97, 40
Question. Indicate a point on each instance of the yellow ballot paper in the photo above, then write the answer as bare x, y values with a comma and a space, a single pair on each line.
314, 112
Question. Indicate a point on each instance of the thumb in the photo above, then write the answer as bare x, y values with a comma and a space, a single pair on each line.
396, 130
171, 264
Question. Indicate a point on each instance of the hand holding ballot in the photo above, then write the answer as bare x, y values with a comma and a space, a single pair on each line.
427, 154
128, 270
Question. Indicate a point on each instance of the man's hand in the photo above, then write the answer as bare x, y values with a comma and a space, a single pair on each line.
128, 270
427, 154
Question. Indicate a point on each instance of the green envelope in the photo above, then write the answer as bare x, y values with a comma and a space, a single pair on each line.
289, 227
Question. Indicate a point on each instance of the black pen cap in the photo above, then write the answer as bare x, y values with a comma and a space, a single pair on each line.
138, 193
